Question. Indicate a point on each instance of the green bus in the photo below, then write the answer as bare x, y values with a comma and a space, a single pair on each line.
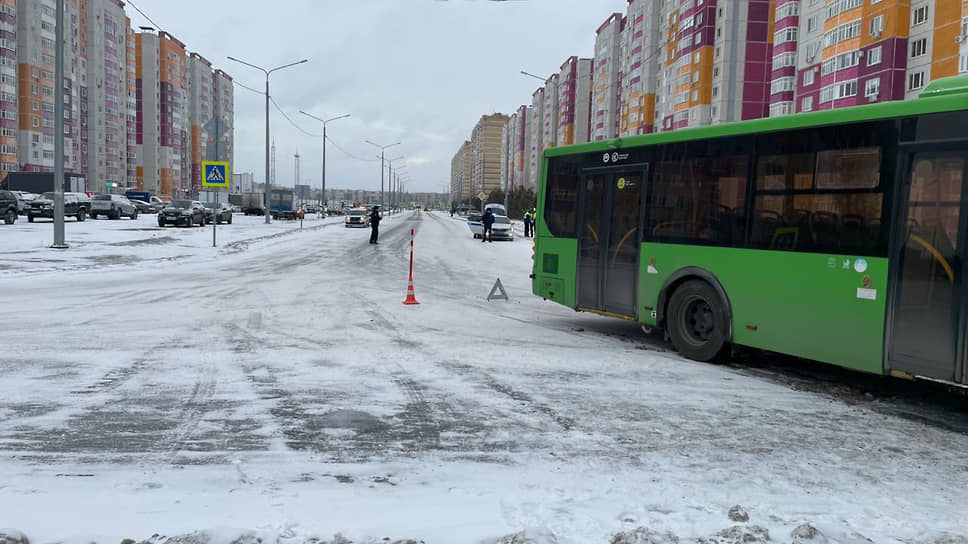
838, 235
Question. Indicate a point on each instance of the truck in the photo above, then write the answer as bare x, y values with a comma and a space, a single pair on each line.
252, 204
282, 204
41, 182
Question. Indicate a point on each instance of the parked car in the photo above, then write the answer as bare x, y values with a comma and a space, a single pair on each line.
474, 223
502, 228
182, 212
357, 218
112, 206
8, 207
218, 213
23, 200
76, 205
310, 208
143, 207
157, 203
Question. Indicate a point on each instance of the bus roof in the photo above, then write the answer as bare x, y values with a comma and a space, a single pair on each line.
941, 95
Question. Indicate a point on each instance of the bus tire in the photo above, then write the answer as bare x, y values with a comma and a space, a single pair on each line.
697, 321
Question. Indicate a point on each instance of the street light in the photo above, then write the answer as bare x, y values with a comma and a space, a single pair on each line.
534, 76
59, 242
324, 122
268, 187
390, 174
383, 149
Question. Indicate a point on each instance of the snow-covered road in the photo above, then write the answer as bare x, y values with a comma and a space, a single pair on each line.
276, 384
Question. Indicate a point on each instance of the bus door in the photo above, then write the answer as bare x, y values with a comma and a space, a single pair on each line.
608, 244
928, 305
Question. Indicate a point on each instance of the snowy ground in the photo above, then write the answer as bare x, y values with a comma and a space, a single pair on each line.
276, 387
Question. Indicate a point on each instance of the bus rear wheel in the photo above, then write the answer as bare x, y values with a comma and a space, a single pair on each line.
697, 321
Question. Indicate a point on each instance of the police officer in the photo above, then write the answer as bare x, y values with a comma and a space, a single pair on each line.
375, 225
488, 221
527, 224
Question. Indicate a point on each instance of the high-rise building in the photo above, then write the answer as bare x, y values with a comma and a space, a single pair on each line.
549, 114
163, 140
103, 93
460, 166
519, 146
535, 128
606, 78
148, 116
200, 112
640, 47
35, 51
8, 87
131, 105
486, 153
574, 100
223, 103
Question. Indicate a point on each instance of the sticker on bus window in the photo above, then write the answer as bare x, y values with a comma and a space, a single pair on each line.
860, 265
621, 183
866, 294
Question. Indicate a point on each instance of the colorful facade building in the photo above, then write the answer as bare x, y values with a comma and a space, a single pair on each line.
640, 47
607, 78
200, 112
535, 128
550, 113
8, 87
574, 100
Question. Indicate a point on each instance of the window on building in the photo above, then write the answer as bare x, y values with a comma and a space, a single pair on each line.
715, 92
812, 23
962, 64
919, 47
808, 77
919, 15
877, 25
915, 81
806, 104
785, 35
872, 87
874, 56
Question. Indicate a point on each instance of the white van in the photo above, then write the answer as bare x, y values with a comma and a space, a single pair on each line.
496, 209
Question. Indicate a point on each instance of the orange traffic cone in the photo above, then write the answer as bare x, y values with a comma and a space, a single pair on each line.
411, 299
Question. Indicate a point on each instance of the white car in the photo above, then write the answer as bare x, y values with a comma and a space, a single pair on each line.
112, 206
23, 200
357, 218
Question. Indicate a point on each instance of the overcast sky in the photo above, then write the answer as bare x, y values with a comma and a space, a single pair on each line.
417, 71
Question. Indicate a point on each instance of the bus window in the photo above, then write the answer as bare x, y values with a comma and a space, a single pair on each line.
698, 200
561, 197
798, 209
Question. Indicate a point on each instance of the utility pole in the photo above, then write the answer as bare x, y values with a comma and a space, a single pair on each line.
59, 242
267, 73
383, 149
324, 122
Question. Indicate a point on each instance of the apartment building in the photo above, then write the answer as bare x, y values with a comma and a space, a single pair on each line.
486, 154
162, 118
200, 112
606, 78
574, 100
35, 51
131, 105
641, 45
460, 165
518, 147
550, 113
8, 87
535, 129
103, 93
223, 105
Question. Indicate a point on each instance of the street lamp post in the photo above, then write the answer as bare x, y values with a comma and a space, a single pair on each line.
324, 122
391, 174
268, 187
383, 149
59, 242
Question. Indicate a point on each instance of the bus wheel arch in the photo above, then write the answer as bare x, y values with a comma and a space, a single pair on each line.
699, 293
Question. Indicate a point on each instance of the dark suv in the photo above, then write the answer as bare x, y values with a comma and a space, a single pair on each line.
8, 207
75, 205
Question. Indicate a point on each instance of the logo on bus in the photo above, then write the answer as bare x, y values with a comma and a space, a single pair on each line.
614, 157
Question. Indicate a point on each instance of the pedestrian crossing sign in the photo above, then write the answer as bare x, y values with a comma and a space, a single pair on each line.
215, 174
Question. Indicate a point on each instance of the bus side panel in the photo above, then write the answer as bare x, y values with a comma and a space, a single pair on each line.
824, 307
554, 269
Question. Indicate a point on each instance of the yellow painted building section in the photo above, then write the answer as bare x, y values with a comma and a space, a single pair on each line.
947, 26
